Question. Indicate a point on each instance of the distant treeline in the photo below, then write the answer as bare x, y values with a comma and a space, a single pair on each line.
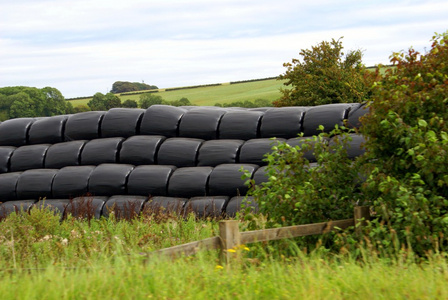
253, 80
126, 86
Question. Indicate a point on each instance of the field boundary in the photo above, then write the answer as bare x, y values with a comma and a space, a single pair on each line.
230, 238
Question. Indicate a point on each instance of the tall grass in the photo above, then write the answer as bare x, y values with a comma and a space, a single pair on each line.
43, 258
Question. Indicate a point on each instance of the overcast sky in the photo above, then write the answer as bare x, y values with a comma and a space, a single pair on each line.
83, 46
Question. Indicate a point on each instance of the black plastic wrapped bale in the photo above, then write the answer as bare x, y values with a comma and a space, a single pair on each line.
29, 157
109, 179
86, 207
161, 120
58, 206
204, 207
189, 182
64, 154
124, 206
299, 141
355, 113
48, 130
14, 132
161, 204
35, 184
5, 158
101, 151
150, 180
72, 181
141, 149
17, 206
84, 126
240, 124
328, 116
8, 185
253, 151
179, 152
225, 180
284, 122
216, 152
236, 204
354, 147
121, 122
201, 123
261, 175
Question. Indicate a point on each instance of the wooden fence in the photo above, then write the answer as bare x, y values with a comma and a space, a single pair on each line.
230, 237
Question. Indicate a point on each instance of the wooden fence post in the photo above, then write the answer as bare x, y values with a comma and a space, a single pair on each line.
229, 234
361, 216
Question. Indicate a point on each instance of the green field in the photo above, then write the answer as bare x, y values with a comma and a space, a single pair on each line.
210, 95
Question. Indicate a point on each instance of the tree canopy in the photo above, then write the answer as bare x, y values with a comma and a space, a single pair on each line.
126, 86
325, 75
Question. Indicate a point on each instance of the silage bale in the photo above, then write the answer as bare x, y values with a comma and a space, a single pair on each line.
216, 152
141, 149
121, 122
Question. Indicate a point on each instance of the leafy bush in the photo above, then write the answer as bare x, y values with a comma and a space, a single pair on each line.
301, 193
325, 76
407, 150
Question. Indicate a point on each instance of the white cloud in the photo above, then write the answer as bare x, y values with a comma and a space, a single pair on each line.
82, 47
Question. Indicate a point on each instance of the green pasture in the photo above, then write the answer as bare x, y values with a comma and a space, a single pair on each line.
210, 95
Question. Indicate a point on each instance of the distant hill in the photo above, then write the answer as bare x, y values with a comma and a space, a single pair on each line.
209, 95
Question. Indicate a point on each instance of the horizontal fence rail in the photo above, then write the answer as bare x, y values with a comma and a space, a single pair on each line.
230, 237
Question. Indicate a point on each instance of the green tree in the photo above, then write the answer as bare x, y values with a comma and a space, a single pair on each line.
129, 103
148, 99
98, 102
111, 100
325, 75
55, 103
24, 106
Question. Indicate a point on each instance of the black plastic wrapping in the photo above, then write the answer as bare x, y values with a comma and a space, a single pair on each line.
179, 152
109, 179
161, 120
284, 122
48, 130
8, 185
86, 207
189, 182
204, 207
121, 122
28, 157
58, 206
150, 180
260, 175
141, 149
356, 112
124, 206
14, 132
354, 147
253, 151
328, 115
101, 151
201, 123
15, 206
299, 141
84, 126
216, 152
225, 180
71, 182
161, 204
64, 154
35, 184
235, 205
5, 158
240, 124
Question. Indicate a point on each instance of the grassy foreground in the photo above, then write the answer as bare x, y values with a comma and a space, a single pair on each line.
42, 258
210, 95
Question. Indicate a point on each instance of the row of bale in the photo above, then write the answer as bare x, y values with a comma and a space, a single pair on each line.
147, 150
187, 157
207, 123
